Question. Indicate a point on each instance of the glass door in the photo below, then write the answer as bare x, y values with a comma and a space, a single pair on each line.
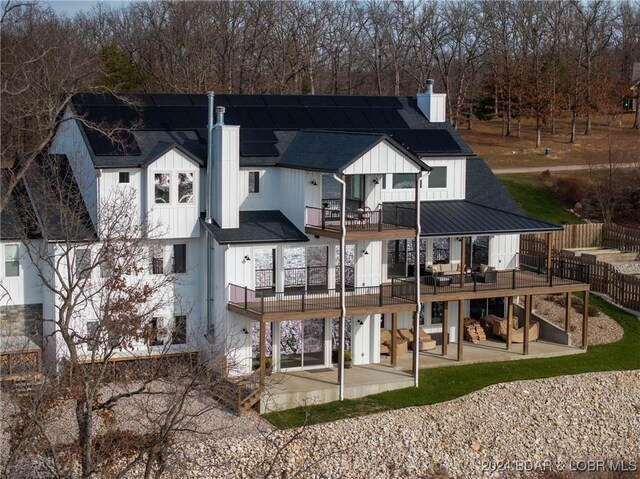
302, 343
397, 258
317, 264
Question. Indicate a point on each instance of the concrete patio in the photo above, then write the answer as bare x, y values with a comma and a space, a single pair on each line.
300, 388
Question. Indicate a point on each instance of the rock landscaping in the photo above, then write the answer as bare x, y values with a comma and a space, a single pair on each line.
602, 329
505, 430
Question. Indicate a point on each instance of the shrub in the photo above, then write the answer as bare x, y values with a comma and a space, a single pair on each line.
571, 189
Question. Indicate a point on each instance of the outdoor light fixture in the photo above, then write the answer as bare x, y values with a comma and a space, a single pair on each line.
364, 251
246, 257
314, 182
244, 330
376, 181
360, 322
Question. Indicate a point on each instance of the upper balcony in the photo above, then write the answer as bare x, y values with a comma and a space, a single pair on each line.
400, 293
361, 222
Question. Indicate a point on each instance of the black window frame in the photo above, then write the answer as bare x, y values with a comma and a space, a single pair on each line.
180, 258
256, 182
122, 175
436, 174
397, 176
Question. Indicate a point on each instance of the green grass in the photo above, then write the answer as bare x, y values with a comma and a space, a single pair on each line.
442, 384
536, 199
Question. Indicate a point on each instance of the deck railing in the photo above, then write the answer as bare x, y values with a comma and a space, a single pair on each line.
389, 217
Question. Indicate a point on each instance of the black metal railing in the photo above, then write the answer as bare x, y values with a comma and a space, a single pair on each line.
388, 217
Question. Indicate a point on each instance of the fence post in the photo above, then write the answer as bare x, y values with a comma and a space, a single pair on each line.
245, 297
304, 293
381, 294
513, 279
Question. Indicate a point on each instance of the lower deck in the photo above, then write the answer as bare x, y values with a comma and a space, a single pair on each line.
308, 387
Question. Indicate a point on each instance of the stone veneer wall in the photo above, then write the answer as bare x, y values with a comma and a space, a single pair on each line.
22, 320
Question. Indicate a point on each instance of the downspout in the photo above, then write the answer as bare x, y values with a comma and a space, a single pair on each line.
416, 319
343, 304
210, 102
209, 206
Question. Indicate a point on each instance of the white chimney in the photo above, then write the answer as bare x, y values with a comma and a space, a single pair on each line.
210, 189
433, 105
226, 172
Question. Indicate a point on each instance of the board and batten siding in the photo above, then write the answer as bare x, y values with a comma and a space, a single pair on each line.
268, 196
503, 250
69, 141
382, 158
26, 288
111, 189
174, 220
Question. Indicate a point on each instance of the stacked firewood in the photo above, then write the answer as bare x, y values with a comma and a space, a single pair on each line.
473, 331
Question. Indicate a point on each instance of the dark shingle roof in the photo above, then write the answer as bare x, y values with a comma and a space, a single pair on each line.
181, 119
483, 187
333, 151
258, 227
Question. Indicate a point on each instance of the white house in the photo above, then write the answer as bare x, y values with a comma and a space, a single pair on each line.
262, 205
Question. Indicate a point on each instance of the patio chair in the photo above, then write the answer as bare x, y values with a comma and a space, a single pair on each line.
517, 335
425, 343
402, 345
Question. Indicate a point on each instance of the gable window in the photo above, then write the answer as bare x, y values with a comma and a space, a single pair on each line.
254, 182
403, 181
438, 177
179, 335
83, 262
11, 260
179, 258
123, 177
185, 188
162, 185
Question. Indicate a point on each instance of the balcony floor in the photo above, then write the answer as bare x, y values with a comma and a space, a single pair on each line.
299, 388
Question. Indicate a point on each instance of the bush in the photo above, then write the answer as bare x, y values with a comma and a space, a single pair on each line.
571, 189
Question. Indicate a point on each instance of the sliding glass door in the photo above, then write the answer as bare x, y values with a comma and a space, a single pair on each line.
302, 343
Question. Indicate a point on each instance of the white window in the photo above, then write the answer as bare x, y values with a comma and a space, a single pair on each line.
438, 177
403, 181
11, 260
185, 188
162, 188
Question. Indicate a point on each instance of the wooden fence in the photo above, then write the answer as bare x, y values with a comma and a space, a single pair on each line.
619, 237
603, 278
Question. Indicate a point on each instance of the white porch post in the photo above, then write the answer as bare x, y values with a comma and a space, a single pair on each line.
416, 318
343, 305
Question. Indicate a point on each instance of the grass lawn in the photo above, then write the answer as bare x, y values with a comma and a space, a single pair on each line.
442, 384
536, 199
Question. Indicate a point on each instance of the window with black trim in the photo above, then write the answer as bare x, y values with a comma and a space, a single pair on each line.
123, 177
179, 335
438, 177
437, 312
157, 260
254, 182
153, 332
162, 188
185, 188
179, 258
83, 262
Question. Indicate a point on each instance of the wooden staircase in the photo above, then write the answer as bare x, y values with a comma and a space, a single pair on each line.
240, 394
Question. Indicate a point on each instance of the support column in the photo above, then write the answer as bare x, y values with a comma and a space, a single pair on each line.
445, 328
460, 328
585, 321
416, 318
567, 312
548, 265
509, 321
527, 320
463, 266
263, 349
394, 334
343, 305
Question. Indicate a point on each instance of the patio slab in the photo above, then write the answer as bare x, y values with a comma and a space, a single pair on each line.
306, 388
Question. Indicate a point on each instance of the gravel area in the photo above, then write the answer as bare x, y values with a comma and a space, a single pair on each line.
628, 268
513, 430
602, 329
547, 424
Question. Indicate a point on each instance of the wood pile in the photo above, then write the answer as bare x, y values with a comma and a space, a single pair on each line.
473, 331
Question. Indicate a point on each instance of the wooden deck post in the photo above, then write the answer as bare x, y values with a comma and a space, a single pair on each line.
460, 328
509, 321
263, 349
548, 256
567, 312
394, 333
445, 328
585, 321
463, 266
527, 320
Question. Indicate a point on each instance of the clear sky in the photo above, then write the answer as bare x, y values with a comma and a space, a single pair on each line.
71, 7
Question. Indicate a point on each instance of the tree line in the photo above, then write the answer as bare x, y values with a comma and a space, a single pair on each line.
513, 60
